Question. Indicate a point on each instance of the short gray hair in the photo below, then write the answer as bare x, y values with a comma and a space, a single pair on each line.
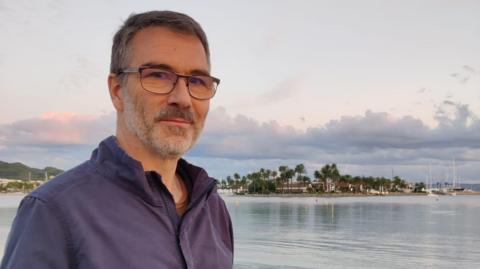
174, 21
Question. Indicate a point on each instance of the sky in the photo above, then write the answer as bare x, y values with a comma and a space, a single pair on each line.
379, 87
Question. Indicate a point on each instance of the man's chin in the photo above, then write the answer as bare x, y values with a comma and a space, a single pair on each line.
173, 140
172, 146
172, 131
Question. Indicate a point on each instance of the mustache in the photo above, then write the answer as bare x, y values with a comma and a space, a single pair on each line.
175, 112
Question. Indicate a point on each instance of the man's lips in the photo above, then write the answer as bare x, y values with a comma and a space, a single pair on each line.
176, 121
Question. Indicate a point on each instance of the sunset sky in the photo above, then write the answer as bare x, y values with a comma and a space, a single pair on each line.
373, 86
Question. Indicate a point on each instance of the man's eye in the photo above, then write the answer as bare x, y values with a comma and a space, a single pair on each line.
198, 81
160, 75
156, 74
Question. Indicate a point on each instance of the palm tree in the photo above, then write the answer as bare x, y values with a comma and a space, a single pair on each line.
283, 170
289, 176
230, 181
274, 176
268, 173
299, 170
236, 176
320, 177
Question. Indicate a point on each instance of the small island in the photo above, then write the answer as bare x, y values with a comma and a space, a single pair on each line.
328, 181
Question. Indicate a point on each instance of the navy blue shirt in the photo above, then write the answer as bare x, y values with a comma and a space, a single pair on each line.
109, 213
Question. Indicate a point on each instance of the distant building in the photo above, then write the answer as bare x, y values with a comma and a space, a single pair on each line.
293, 187
330, 186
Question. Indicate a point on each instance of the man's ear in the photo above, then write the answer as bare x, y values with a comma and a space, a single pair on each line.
115, 90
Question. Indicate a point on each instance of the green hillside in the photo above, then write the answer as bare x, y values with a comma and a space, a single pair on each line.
21, 171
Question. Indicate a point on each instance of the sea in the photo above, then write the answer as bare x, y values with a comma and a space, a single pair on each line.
343, 232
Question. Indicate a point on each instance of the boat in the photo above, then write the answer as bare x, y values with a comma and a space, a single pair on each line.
428, 186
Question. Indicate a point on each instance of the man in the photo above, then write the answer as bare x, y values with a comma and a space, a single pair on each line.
136, 203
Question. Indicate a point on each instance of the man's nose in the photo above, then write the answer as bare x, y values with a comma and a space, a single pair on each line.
180, 95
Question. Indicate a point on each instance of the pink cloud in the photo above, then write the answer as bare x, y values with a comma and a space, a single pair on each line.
58, 128
66, 116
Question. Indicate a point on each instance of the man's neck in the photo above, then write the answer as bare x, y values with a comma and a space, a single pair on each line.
150, 161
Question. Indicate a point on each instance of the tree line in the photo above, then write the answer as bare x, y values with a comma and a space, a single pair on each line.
19, 186
326, 180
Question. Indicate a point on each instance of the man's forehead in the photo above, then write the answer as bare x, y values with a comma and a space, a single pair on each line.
160, 45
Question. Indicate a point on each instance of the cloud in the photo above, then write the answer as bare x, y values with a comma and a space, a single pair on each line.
284, 90
468, 69
232, 143
56, 129
466, 73
372, 139
242, 137
454, 117
55, 139
3, 8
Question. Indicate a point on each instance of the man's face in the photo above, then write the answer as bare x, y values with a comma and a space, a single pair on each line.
166, 124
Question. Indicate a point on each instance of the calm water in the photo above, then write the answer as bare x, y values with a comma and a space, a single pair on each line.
364, 232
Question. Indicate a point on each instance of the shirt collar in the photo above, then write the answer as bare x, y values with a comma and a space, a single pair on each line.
110, 158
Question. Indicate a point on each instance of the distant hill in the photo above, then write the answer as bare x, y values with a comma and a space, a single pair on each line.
21, 171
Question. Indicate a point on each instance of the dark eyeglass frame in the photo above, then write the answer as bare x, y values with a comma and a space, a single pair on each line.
138, 70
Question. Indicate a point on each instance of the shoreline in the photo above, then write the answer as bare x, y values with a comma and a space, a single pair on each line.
14, 193
341, 195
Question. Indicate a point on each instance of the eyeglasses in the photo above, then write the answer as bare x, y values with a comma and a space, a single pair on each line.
157, 80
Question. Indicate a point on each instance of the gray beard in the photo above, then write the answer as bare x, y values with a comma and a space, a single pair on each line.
169, 142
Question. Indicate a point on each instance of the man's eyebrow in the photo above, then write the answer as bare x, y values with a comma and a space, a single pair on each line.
159, 66
199, 72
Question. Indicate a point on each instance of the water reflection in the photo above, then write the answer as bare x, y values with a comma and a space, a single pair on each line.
356, 232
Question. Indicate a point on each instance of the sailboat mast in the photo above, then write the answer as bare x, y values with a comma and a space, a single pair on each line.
454, 183
430, 175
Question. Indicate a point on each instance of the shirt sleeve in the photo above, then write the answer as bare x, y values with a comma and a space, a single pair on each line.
38, 238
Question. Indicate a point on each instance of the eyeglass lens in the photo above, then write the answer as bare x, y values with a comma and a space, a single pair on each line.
161, 81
